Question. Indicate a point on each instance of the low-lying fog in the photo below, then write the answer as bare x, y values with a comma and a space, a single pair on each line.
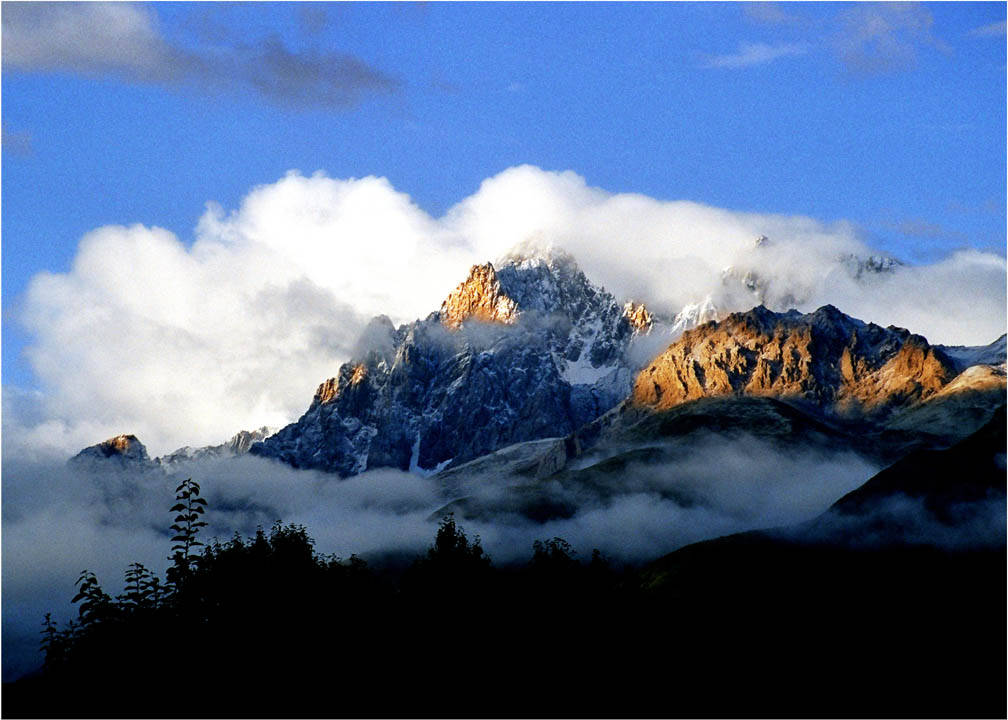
59, 520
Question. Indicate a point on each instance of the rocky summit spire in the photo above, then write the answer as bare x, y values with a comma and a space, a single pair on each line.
638, 316
479, 297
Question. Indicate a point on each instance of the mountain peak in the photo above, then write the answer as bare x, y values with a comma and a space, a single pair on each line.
125, 448
694, 314
534, 251
638, 316
825, 359
480, 297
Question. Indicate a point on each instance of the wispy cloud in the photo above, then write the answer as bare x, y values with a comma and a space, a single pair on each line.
917, 228
884, 37
770, 13
756, 54
123, 40
995, 29
16, 142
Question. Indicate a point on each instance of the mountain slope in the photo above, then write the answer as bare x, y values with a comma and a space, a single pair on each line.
964, 357
824, 359
872, 586
971, 471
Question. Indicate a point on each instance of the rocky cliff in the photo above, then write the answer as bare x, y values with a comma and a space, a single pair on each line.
824, 360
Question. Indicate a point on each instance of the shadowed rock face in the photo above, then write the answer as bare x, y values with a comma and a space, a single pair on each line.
525, 350
825, 359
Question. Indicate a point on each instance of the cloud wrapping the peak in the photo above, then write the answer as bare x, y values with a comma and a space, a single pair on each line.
185, 345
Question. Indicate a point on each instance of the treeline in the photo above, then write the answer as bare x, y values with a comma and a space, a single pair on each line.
267, 626
746, 626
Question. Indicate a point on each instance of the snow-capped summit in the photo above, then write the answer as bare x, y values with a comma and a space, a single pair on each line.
964, 357
755, 279
238, 444
522, 349
694, 314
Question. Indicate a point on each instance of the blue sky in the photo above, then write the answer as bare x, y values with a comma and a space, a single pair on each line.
892, 118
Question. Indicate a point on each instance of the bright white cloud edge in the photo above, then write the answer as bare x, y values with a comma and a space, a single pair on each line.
185, 345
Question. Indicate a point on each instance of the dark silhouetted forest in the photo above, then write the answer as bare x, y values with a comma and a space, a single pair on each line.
746, 626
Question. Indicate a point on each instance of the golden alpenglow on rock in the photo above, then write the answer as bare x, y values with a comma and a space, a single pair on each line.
331, 388
479, 297
121, 443
327, 391
638, 316
825, 358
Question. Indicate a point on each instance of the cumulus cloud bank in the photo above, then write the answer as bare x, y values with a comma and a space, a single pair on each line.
188, 343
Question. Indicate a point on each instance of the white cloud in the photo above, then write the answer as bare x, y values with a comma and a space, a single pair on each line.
186, 345
756, 54
885, 37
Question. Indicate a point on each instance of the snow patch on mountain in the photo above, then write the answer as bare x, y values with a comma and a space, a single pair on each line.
695, 314
966, 356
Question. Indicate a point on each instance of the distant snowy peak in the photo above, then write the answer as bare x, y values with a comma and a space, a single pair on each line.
754, 278
238, 444
858, 267
127, 451
694, 315
966, 356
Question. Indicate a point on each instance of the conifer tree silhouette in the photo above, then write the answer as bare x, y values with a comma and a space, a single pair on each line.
95, 605
189, 507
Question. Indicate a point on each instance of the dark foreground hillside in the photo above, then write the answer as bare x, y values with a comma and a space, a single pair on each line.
759, 630
792, 623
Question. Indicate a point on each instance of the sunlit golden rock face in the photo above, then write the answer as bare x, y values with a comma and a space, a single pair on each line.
824, 358
331, 388
125, 447
638, 316
479, 297
359, 373
327, 391
121, 443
